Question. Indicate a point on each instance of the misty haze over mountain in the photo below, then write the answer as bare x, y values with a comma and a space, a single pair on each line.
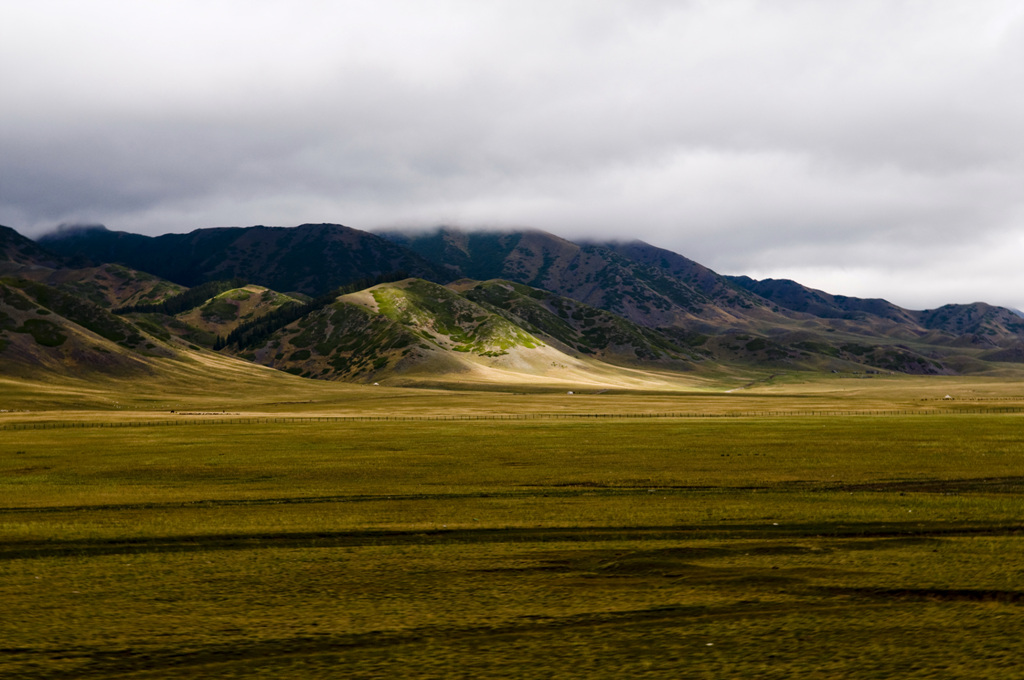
870, 149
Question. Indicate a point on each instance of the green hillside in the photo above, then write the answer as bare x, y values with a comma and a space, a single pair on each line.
391, 328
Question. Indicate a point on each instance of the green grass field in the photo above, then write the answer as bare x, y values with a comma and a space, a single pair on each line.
839, 534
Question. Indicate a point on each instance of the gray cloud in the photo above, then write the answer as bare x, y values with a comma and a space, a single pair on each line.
869, 148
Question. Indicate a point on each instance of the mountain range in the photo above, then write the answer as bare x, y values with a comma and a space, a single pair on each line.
332, 302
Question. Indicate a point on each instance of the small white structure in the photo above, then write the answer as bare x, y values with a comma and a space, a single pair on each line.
569, 392
948, 397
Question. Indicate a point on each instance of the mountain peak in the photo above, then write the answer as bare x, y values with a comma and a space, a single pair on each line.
72, 229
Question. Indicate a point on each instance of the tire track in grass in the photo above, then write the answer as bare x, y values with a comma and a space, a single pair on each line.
1013, 484
31, 549
127, 662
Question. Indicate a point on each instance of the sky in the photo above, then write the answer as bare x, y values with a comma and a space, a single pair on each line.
871, 148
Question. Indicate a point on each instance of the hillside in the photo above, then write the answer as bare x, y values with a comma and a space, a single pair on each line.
107, 285
44, 330
417, 332
574, 326
412, 326
791, 295
224, 312
981, 321
111, 285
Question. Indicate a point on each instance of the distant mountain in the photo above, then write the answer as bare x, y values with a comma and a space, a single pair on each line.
791, 295
523, 303
977, 318
982, 322
311, 259
713, 286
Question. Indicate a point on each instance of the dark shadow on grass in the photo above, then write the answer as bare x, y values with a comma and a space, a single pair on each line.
930, 594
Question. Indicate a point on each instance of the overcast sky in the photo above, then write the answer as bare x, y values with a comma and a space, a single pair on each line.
870, 148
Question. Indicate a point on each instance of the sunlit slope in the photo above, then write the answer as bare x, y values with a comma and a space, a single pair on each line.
408, 326
414, 332
191, 383
225, 311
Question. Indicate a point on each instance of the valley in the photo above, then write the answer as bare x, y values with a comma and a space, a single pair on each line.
495, 474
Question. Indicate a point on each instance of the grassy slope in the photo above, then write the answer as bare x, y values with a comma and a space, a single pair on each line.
211, 382
112, 285
414, 331
223, 313
46, 331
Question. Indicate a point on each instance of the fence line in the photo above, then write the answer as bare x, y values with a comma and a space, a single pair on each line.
270, 420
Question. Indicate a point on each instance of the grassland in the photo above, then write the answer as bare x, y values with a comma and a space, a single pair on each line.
813, 527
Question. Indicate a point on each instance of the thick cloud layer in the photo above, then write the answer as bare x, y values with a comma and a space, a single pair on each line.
868, 148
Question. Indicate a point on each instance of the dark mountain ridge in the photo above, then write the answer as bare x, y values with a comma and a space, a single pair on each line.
614, 302
310, 258
18, 252
646, 285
